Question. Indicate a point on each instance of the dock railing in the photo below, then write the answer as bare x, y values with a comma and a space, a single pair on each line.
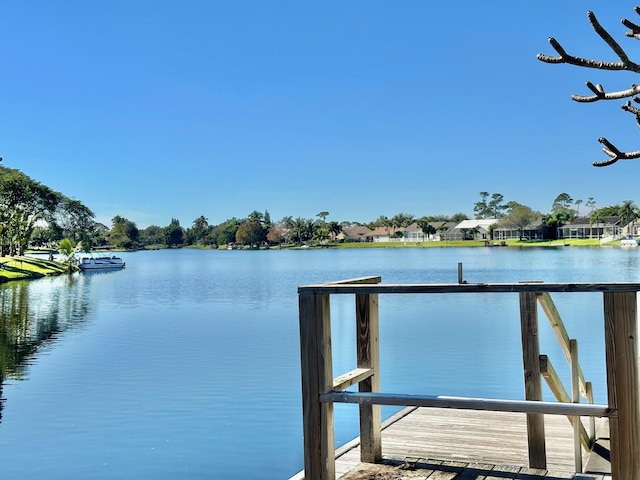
320, 390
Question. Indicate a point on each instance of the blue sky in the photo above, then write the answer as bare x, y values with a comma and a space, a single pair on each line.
160, 109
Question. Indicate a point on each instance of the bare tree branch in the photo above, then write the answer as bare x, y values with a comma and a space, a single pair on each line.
600, 94
598, 91
624, 64
614, 153
635, 29
627, 107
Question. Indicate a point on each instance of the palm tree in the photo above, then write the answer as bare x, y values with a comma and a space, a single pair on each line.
66, 248
628, 212
596, 217
442, 228
334, 229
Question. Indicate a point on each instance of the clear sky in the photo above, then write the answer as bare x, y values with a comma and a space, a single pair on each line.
157, 109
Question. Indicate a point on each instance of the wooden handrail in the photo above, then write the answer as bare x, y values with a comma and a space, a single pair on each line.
551, 312
339, 288
469, 403
319, 388
555, 385
356, 375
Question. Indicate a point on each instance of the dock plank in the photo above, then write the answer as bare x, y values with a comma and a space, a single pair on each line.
447, 444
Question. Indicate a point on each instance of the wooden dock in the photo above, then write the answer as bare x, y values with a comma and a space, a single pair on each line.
447, 444
484, 432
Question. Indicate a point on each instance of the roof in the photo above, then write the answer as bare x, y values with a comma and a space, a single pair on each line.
356, 231
483, 223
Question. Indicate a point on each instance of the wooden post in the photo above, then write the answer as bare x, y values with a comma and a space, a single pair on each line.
367, 335
575, 398
592, 420
622, 383
317, 378
532, 378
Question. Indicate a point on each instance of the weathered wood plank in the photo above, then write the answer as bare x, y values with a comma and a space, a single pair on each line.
466, 403
356, 375
368, 356
486, 437
356, 281
557, 325
575, 398
388, 288
555, 385
317, 378
622, 383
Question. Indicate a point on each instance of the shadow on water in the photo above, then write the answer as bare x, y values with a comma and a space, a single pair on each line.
33, 314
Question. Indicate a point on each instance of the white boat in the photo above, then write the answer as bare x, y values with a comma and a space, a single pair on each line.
101, 263
628, 243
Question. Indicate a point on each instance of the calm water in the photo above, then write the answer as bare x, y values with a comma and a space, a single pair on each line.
186, 364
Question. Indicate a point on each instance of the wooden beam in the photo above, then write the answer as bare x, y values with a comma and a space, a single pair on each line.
317, 378
621, 352
532, 377
470, 403
555, 385
351, 378
368, 356
533, 287
552, 314
575, 398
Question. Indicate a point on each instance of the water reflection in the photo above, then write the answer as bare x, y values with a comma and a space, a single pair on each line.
33, 314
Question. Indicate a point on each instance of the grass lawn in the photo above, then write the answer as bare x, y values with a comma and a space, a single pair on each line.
15, 268
577, 242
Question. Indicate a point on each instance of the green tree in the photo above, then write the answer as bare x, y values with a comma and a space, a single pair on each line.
266, 220
402, 220
23, 202
334, 229
490, 208
577, 204
66, 248
322, 216
562, 210
628, 213
596, 217
303, 229
200, 230
250, 233
152, 235
174, 233
225, 233
442, 229
519, 217
256, 216
124, 233
458, 217
424, 223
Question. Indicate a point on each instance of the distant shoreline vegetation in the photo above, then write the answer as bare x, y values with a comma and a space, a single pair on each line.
31, 267
590, 242
35, 216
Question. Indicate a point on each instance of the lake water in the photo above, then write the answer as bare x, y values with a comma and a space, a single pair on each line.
185, 365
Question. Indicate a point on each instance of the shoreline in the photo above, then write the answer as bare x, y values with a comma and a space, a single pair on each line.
30, 268
23, 267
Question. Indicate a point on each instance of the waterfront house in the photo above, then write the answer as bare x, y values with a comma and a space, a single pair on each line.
477, 229
582, 227
355, 234
384, 234
536, 230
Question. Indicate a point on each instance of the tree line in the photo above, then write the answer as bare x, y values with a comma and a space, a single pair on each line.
34, 215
